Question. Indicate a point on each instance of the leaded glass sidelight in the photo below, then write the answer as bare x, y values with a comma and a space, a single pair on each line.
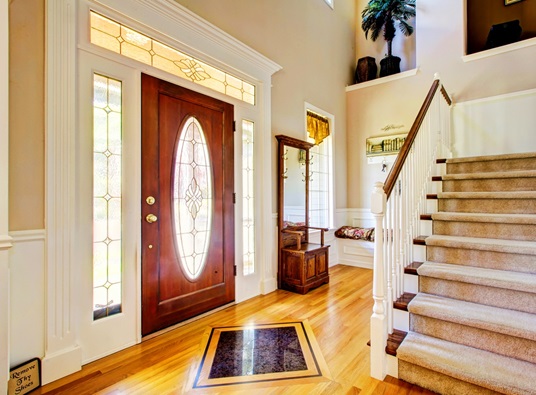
107, 199
192, 198
248, 186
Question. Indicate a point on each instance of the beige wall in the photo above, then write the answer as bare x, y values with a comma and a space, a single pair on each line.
313, 43
440, 47
315, 46
26, 114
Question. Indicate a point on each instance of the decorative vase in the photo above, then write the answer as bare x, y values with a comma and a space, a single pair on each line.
389, 65
366, 69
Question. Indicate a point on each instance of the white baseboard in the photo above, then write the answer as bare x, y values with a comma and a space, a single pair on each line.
60, 364
269, 285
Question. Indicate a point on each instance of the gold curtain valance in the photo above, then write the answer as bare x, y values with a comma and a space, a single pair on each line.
317, 126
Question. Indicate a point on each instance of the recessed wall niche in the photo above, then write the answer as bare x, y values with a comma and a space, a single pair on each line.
403, 46
482, 15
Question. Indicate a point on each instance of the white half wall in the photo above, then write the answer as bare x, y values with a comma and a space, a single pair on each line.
496, 125
27, 305
358, 253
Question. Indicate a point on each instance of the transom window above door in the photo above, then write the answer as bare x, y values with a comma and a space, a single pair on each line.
121, 39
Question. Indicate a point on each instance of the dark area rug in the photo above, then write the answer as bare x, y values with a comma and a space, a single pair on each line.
259, 354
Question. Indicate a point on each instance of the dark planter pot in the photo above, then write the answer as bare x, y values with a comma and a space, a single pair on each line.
366, 69
389, 65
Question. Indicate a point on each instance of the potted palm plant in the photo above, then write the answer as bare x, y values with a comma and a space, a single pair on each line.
381, 15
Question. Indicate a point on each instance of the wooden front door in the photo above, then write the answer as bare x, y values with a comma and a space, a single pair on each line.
187, 204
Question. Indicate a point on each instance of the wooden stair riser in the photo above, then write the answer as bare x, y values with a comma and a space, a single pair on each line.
491, 296
482, 258
490, 184
499, 343
491, 230
492, 166
498, 206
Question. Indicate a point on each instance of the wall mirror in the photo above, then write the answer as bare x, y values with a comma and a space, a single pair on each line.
293, 182
302, 265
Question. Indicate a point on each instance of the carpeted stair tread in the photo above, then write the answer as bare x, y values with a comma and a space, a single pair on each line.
488, 195
508, 322
521, 219
485, 244
484, 158
517, 281
483, 368
490, 175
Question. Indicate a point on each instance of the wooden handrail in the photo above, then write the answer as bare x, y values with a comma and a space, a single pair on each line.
446, 95
404, 151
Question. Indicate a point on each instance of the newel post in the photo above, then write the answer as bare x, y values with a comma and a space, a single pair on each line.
378, 320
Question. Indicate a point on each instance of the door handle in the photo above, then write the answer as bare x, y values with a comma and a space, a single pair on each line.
151, 218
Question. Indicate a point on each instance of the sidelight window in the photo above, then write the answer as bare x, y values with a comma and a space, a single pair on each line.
107, 196
248, 211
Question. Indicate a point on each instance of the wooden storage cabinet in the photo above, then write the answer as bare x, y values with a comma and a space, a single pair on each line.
304, 269
301, 265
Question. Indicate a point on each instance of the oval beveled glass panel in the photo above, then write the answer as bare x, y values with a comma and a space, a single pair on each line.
192, 198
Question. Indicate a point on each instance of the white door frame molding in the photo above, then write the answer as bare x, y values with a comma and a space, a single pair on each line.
5, 240
62, 354
205, 41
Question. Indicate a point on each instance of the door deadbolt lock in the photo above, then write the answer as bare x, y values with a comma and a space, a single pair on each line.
150, 200
151, 218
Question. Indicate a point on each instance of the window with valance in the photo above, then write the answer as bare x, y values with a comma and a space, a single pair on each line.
321, 182
317, 126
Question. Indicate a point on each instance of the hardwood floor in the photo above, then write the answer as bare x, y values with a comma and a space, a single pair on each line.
338, 313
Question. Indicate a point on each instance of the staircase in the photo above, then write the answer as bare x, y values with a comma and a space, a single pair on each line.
473, 321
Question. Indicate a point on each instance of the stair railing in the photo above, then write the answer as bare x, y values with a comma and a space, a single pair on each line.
397, 206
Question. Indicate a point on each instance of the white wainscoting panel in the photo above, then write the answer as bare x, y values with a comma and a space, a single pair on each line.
27, 296
361, 217
495, 125
358, 253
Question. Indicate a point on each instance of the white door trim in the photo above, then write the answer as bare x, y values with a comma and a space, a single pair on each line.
62, 353
203, 40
